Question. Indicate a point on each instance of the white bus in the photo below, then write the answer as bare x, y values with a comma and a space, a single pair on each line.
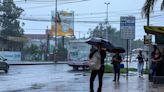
78, 52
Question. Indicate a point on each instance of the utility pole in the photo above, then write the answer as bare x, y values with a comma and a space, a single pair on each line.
149, 53
56, 14
56, 24
47, 44
106, 22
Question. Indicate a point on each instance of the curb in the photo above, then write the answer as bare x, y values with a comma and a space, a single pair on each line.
35, 63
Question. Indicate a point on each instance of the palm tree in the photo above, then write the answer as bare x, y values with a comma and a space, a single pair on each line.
149, 6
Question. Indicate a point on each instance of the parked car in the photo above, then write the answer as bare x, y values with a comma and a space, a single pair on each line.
3, 65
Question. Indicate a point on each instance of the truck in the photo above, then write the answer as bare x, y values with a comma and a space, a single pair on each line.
78, 52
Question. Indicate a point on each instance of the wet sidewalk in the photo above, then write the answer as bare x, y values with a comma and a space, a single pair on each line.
80, 83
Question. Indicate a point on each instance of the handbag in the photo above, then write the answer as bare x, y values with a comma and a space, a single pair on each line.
121, 65
95, 61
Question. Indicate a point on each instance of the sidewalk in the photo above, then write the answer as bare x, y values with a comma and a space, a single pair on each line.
81, 84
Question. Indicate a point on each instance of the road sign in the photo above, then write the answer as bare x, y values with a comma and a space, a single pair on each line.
127, 27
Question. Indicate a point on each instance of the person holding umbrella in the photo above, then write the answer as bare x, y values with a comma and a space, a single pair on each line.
100, 71
140, 58
116, 60
102, 45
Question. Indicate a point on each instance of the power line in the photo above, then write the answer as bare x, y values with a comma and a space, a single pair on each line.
81, 15
49, 20
50, 2
80, 21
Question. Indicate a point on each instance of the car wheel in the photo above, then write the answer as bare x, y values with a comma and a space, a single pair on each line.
75, 67
6, 71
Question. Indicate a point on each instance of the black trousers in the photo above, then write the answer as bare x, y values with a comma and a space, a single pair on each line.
116, 72
100, 73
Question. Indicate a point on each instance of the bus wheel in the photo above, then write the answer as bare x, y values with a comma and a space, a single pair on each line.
83, 67
75, 67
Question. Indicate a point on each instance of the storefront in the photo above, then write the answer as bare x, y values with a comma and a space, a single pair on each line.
158, 32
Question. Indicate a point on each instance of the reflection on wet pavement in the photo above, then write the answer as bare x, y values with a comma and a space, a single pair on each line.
61, 78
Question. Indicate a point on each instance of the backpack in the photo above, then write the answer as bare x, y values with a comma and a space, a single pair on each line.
95, 61
140, 58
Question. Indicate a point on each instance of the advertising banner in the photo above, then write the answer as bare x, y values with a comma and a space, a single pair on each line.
65, 23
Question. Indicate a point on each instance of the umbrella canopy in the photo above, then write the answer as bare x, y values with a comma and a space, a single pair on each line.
105, 43
118, 50
138, 49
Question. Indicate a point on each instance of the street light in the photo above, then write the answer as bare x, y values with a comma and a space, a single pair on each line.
106, 22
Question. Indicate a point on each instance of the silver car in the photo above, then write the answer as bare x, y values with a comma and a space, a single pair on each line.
3, 65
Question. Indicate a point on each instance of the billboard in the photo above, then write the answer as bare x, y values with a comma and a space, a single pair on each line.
127, 27
11, 55
65, 23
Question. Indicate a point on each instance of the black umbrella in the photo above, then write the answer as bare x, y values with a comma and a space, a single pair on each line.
105, 43
118, 50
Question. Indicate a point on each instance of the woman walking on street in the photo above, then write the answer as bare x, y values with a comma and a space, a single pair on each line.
140, 58
98, 72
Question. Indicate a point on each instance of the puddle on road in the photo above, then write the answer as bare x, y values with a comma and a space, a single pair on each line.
77, 78
14, 91
37, 86
78, 74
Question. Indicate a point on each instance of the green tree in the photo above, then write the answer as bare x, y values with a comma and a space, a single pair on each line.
114, 36
149, 6
100, 31
9, 19
61, 53
32, 52
137, 44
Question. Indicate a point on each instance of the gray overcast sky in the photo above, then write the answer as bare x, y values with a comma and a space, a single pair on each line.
85, 11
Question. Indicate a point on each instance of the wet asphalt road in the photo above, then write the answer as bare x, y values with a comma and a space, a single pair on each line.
61, 78
30, 78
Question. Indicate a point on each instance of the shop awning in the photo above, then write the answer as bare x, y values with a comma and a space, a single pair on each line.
156, 30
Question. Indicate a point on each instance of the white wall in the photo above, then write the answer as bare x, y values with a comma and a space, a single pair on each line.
11, 55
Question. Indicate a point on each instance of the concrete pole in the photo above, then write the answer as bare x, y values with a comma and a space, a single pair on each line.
149, 53
106, 22
56, 14
56, 24
47, 44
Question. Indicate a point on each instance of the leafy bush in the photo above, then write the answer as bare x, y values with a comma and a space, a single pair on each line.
109, 69
146, 71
